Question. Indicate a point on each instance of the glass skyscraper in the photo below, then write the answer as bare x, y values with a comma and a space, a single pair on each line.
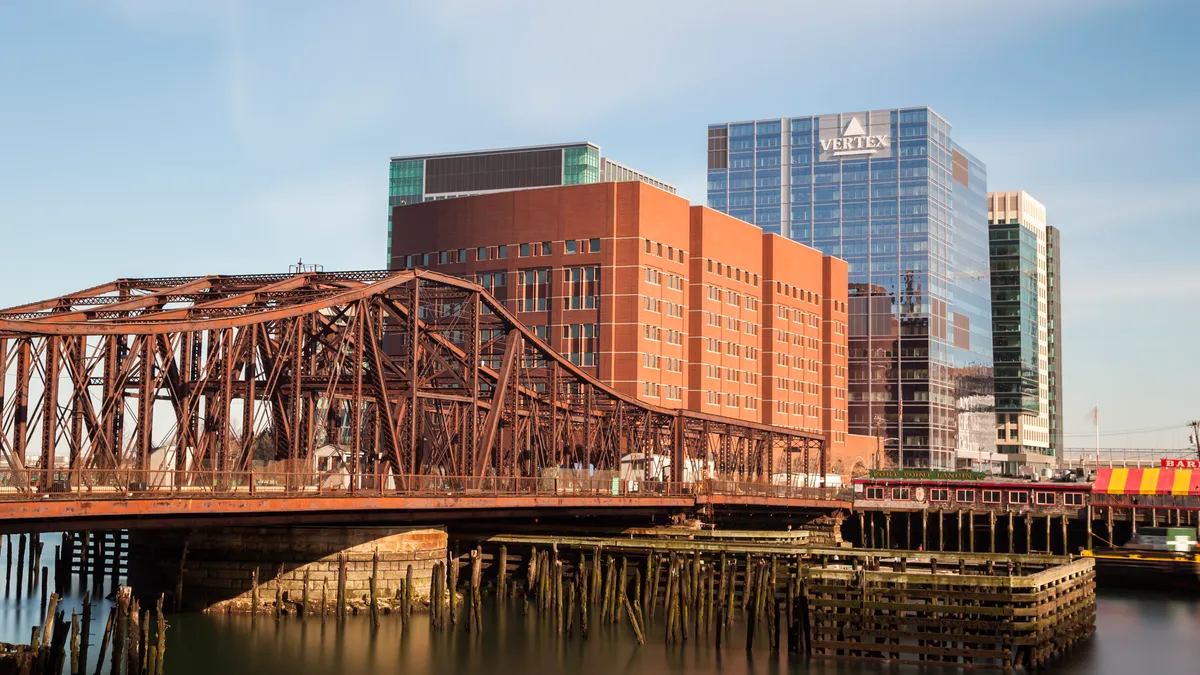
890, 192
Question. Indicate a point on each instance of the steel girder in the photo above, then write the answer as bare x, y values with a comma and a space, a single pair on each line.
413, 372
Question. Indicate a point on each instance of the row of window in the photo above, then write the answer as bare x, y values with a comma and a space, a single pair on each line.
658, 278
731, 348
784, 312
802, 409
799, 362
714, 373
967, 496
673, 254
655, 362
655, 390
484, 253
732, 272
655, 305
673, 337
732, 400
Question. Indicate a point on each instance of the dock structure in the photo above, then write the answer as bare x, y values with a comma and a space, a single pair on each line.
966, 609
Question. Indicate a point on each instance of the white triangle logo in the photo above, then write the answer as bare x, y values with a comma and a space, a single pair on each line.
854, 128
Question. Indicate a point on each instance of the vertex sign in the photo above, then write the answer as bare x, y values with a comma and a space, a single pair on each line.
854, 141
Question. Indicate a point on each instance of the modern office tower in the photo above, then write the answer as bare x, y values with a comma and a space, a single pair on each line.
421, 178
1054, 337
890, 192
678, 305
1022, 247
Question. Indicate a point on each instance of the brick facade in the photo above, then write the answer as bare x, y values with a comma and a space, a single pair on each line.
678, 305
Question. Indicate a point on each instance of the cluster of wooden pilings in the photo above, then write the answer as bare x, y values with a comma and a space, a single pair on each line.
967, 609
127, 636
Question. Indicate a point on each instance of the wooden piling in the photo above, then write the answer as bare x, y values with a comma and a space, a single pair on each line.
108, 631
654, 583
85, 633
596, 572
410, 590
374, 589
476, 591
559, 618
633, 621
453, 562
502, 571
8, 564
44, 589
254, 592
341, 586
279, 592
305, 607
74, 643
21, 543
160, 638
324, 599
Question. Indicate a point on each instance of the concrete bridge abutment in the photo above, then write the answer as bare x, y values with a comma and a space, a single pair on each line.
219, 568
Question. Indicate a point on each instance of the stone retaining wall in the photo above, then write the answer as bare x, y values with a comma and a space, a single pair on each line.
220, 563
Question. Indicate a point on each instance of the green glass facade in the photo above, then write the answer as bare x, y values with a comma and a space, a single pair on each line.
581, 166
1014, 263
405, 186
1054, 344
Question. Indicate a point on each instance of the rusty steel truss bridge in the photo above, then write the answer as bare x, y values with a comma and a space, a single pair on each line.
363, 391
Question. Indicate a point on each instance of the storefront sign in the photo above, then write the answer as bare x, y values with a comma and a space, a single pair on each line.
1180, 463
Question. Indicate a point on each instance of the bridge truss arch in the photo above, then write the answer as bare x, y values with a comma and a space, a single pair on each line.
406, 373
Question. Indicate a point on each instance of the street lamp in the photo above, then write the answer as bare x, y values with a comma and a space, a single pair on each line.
879, 443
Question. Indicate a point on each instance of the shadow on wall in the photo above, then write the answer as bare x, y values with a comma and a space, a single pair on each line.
220, 564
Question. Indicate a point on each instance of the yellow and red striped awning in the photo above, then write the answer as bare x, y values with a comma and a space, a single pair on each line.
1147, 482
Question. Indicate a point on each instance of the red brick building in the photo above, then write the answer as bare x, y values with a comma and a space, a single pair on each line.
679, 305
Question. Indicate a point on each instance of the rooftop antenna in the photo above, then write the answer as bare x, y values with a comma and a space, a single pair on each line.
301, 268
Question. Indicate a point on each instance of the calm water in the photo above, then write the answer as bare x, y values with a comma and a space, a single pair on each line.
1143, 634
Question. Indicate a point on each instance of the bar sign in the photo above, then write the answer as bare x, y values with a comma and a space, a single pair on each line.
1180, 463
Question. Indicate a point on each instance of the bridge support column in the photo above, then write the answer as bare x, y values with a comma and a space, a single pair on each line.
220, 563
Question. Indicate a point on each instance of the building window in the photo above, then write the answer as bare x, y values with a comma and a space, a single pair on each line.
900, 494
583, 287
502, 252
545, 248
964, 496
534, 290
1073, 499
523, 251
444, 257
481, 254
1045, 498
874, 493
939, 495
569, 246
991, 496
495, 283
1018, 497
581, 343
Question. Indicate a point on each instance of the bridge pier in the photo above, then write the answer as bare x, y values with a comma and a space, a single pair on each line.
220, 564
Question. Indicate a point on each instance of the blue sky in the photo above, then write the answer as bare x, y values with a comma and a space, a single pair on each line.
169, 137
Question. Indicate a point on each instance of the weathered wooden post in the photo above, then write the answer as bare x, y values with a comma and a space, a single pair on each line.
254, 592
991, 531
21, 566
453, 559
502, 571
341, 586
279, 592
410, 590
374, 589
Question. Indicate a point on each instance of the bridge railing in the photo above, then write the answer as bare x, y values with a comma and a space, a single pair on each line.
127, 483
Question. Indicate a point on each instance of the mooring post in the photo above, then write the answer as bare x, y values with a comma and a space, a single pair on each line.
1049, 548
1066, 547
941, 513
453, 560
1011, 517
887, 531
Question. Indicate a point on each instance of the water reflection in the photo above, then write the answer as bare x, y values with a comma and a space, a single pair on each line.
1136, 633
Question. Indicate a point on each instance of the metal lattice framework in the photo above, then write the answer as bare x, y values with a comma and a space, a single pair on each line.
413, 372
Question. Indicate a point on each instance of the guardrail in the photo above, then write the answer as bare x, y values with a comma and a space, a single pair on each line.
135, 483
